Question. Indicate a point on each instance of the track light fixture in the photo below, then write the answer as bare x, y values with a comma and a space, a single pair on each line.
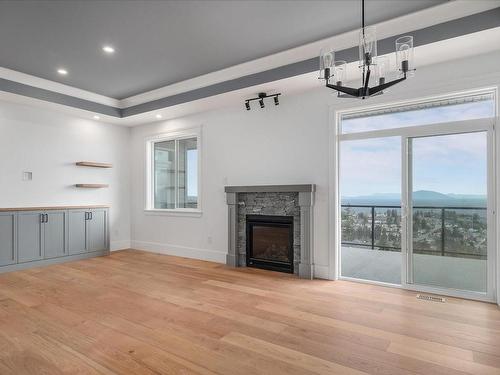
260, 98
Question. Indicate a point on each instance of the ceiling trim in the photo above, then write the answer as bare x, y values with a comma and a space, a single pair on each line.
58, 98
115, 108
61, 88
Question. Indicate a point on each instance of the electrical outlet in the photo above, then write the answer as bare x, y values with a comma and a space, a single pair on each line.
27, 176
209, 240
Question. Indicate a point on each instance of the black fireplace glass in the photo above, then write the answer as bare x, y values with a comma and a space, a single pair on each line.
270, 242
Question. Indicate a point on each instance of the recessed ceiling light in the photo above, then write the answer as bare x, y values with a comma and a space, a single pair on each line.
62, 71
96, 117
159, 116
108, 49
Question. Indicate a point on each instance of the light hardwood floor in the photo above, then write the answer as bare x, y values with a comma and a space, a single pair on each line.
141, 313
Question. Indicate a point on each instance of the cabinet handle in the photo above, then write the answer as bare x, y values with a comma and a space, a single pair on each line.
46, 218
42, 218
91, 216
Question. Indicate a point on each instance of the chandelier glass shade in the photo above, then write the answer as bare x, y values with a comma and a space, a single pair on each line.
373, 68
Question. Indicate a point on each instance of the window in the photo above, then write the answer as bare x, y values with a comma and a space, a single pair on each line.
173, 170
456, 108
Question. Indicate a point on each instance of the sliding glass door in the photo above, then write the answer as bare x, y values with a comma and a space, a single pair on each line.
416, 193
448, 217
371, 209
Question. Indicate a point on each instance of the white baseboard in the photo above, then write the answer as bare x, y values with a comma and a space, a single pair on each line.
181, 251
321, 272
119, 245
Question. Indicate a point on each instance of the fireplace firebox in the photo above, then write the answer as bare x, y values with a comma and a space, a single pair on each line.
269, 242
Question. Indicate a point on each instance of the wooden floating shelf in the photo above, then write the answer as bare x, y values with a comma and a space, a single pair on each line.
93, 164
92, 186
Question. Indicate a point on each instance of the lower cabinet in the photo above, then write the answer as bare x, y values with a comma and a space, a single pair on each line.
41, 235
31, 236
54, 234
88, 230
77, 231
96, 231
8, 238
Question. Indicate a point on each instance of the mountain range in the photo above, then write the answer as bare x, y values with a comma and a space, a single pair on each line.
421, 198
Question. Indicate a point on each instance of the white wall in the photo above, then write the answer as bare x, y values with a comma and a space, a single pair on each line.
48, 143
288, 144
280, 145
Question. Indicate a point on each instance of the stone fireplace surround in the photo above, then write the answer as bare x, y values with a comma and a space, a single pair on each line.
287, 200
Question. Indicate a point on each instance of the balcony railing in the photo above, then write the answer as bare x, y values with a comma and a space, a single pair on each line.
439, 220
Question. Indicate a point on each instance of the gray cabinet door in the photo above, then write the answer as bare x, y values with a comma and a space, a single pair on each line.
96, 231
77, 232
54, 238
7, 238
29, 236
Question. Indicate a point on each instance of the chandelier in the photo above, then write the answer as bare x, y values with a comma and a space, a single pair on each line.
334, 72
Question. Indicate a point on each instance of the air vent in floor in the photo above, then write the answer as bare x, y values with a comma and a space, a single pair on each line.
431, 298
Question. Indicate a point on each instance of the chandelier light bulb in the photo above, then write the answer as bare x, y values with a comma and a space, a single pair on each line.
328, 59
367, 45
382, 68
340, 72
404, 54
404, 51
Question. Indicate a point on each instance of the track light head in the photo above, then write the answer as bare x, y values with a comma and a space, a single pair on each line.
247, 105
261, 103
276, 100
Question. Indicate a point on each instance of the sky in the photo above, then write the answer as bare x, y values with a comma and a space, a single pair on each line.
447, 164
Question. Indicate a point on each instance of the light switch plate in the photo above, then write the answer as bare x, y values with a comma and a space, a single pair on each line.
27, 176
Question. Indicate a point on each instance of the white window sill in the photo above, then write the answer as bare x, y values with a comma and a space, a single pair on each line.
174, 212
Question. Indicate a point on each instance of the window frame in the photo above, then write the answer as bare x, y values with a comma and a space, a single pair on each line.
339, 114
149, 173
483, 124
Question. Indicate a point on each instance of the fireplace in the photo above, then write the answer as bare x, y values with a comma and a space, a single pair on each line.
269, 242
295, 201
